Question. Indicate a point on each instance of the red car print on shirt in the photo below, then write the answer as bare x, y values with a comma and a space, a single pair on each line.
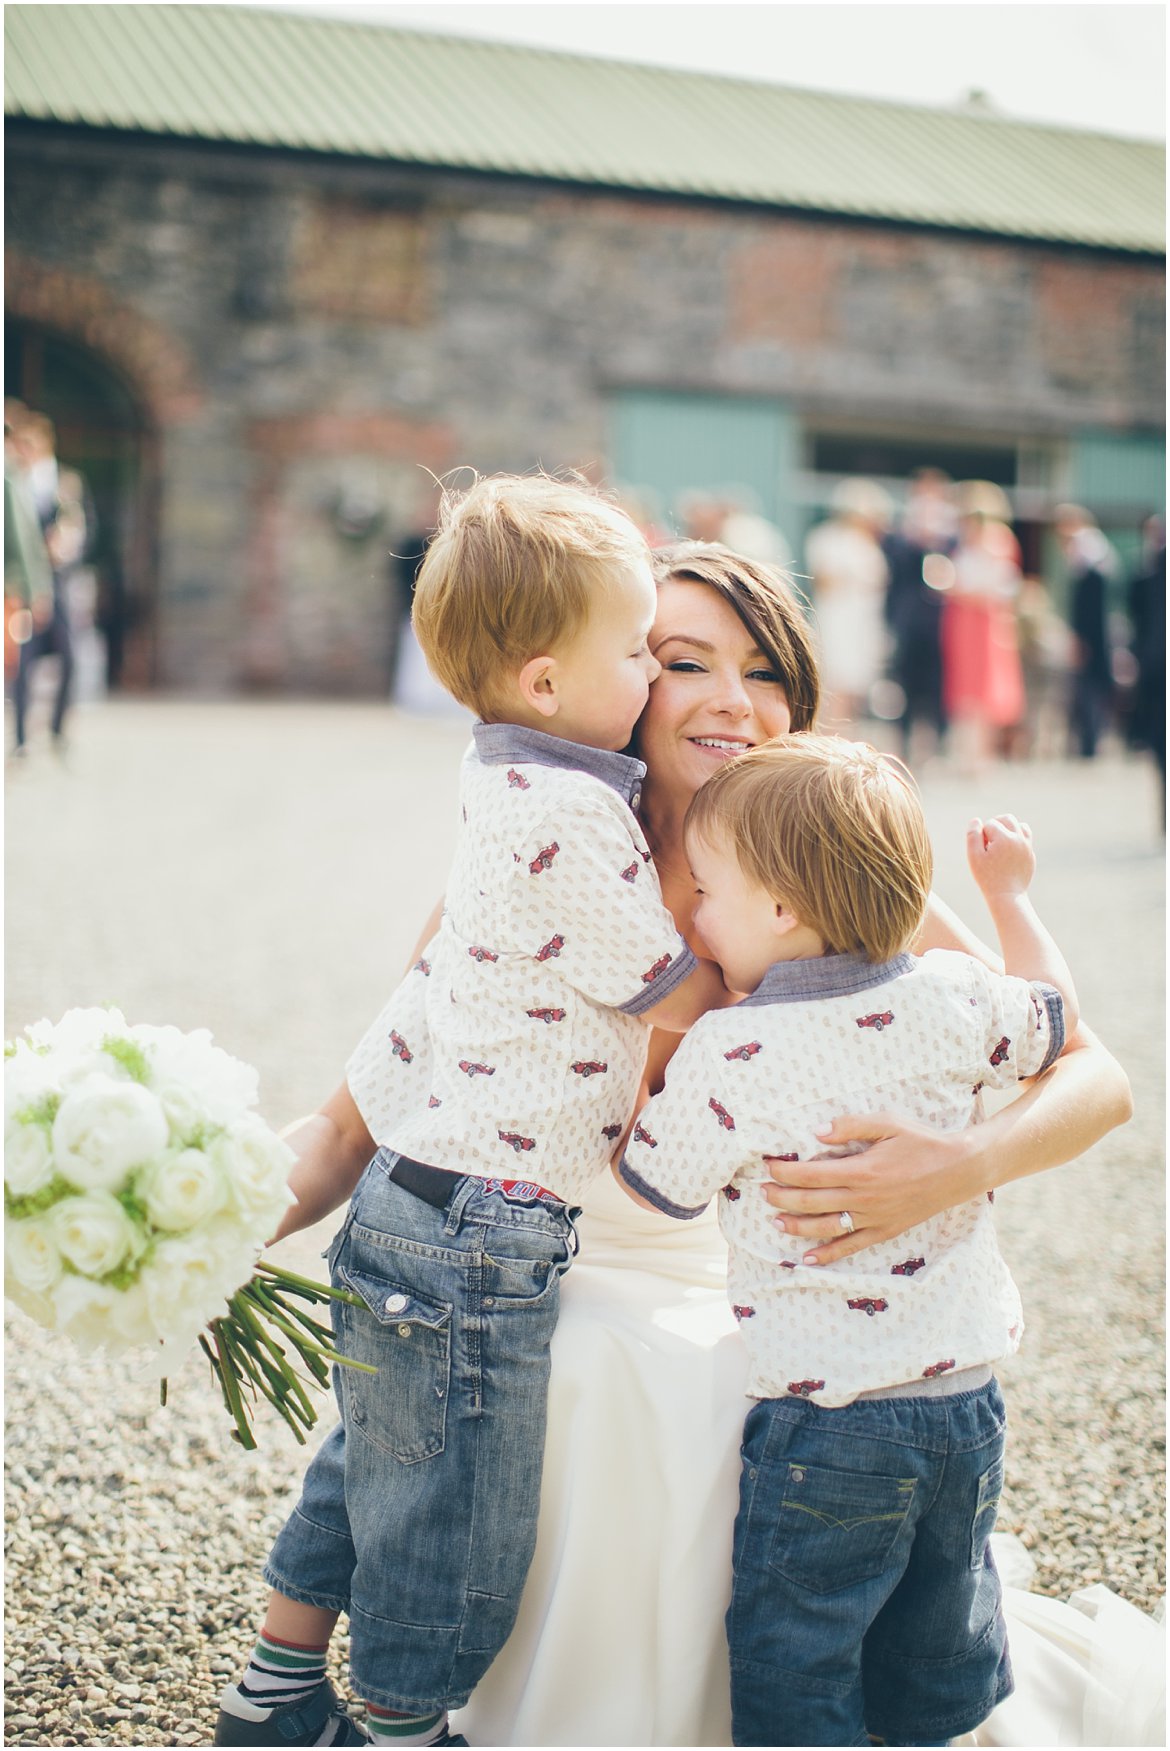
787, 1264
879, 1020
732, 1194
588, 1067
649, 976
470, 1069
434, 1101
546, 1014
937, 1368
869, 1304
515, 1141
517, 780
743, 1312
907, 1268
611, 1131
550, 949
642, 1135
999, 1056
744, 1052
482, 954
722, 1114
805, 1388
423, 967
630, 874
400, 1048
543, 859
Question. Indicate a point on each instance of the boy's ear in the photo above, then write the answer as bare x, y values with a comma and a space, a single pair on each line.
784, 919
537, 683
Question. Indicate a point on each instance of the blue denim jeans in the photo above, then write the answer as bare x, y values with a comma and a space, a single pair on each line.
865, 1600
418, 1513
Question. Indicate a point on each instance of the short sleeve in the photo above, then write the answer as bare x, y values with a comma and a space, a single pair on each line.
684, 1148
587, 900
1024, 1026
389, 1071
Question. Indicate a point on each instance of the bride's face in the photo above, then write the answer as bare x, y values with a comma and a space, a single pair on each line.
717, 695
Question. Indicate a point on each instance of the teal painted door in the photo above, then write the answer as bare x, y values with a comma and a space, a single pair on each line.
671, 443
1119, 475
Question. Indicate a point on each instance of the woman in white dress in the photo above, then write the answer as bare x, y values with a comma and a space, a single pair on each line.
620, 1635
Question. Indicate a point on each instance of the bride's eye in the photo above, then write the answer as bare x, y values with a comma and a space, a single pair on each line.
764, 675
685, 666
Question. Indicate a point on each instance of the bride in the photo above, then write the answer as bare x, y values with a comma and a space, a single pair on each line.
620, 1637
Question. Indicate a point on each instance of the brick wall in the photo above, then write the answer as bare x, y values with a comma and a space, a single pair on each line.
302, 334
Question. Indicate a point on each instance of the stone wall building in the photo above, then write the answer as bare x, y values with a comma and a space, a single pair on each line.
261, 318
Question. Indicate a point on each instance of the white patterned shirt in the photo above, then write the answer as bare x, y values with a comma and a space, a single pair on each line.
514, 1049
818, 1039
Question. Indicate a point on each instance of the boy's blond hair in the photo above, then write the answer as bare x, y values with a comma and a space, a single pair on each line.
832, 829
510, 574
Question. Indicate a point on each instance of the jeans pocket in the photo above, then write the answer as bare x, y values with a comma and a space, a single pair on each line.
988, 1492
401, 1409
836, 1528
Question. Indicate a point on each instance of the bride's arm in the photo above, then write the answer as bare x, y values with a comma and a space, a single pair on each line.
910, 1173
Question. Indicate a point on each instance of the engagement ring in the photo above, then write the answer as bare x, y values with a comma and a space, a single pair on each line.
846, 1221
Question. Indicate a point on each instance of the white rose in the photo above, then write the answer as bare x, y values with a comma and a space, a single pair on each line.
191, 1276
32, 1254
28, 1159
181, 1190
94, 1233
256, 1165
103, 1129
186, 1114
87, 1313
29, 1078
221, 1086
78, 1031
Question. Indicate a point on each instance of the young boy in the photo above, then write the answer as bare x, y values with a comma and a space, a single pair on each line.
865, 1601
513, 1048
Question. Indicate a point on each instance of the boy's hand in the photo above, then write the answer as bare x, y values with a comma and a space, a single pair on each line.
1001, 856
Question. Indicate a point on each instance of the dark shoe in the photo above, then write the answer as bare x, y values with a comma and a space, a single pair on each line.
297, 1723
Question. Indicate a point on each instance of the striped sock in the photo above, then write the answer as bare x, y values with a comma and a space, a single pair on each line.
281, 1672
388, 1728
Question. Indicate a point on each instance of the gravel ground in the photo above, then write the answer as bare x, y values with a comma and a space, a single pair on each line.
263, 870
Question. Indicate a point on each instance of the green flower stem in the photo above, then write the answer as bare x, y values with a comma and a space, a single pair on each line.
231, 1389
273, 1303
274, 1387
283, 1377
306, 1347
305, 1285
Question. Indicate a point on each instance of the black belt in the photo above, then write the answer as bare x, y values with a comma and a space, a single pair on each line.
434, 1185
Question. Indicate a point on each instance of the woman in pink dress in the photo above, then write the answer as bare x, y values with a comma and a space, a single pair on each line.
983, 681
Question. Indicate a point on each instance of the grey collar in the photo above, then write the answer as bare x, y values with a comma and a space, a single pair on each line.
499, 744
827, 976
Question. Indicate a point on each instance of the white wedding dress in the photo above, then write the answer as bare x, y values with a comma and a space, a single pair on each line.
620, 1635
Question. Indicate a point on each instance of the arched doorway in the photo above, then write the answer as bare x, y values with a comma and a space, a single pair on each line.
103, 433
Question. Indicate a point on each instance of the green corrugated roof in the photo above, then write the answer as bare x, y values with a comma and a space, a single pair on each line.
329, 85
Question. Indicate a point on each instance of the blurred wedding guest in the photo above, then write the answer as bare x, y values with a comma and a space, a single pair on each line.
63, 525
1092, 567
701, 515
1147, 613
917, 554
746, 530
641, 506
28, 570
983, 684
849, 578
1045, 643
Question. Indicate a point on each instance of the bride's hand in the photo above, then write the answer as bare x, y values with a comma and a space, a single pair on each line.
906, 1174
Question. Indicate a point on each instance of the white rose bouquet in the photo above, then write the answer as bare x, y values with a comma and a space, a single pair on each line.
139, 1190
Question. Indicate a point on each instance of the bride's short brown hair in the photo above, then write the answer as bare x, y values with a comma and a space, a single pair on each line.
767, 602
